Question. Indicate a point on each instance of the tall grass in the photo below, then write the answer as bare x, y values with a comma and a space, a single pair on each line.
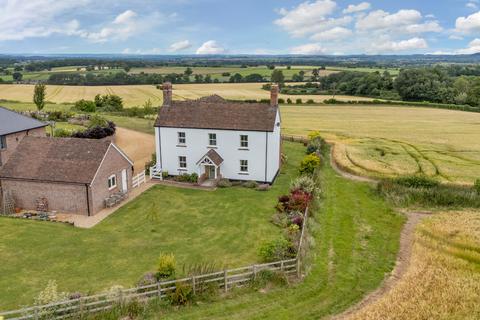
425, 192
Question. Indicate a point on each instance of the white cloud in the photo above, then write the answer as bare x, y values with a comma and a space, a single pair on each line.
126, 25
142, 51
473, 47
472, 5
403, 45
401, 22
180, 45
37, 18
210, 47
357, 8
308, 17
468, 25
337, 33
308, 49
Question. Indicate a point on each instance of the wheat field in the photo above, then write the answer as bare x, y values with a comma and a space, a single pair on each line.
385, 141
443, 279
136, 95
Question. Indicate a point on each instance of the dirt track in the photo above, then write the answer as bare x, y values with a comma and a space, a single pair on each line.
138, 146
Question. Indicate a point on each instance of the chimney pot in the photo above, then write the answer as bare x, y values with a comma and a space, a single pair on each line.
167, 94
274, 95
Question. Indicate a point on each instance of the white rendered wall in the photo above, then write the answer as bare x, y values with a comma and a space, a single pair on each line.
228, 147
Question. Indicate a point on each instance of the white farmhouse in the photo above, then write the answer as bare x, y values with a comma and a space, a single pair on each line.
216, 138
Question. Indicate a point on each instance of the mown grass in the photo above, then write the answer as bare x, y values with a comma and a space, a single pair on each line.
225, 226
443, 279
355, 238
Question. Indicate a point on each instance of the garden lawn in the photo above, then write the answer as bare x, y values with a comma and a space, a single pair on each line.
226, 226
356, 239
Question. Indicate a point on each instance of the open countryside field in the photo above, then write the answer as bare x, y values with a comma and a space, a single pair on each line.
137, 95
225, 226
385, 141
446, 262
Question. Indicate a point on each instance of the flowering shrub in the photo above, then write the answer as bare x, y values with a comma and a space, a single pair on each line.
309, 164
166, 266
277, 249
305, 183
50, 294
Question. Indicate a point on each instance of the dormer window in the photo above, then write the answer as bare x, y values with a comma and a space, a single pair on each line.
182, 138
212, 139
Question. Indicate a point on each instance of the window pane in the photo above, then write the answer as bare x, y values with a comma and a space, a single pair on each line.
243, 165
181, 138
212, 139
244, 141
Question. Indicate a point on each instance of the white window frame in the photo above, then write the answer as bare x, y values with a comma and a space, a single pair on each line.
112, 182
3, 142
212, 137
180, 162
181, 138
244, 166
244, 141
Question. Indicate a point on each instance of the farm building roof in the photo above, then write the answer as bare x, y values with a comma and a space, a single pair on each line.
11, 122
214, 112
70, 160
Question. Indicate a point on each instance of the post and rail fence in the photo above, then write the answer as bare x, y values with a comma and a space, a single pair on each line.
139, 179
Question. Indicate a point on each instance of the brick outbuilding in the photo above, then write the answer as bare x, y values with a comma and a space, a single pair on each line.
74, 175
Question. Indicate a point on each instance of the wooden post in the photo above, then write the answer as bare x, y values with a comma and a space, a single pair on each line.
281, 266
298, 267
193, 285
35, 313
254, 272
159, 288
80, 306
225, 280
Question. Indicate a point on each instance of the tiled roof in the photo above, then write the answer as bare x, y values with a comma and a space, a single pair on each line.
214, 112
70, 160
11, 122
214, 156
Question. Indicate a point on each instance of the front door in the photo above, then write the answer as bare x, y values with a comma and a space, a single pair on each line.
124, 180
211, 172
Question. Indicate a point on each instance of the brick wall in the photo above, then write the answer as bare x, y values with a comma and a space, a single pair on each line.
114, 163
66, 198
14, 139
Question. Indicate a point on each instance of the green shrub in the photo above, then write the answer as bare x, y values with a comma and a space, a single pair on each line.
309, 164
250, 184
289, 101
164, 174
97, 121
313, 135
310, 101
224, 183
477, 185
277, 249
166, 266
417, 181
298, 101
85, 106
62, 133
182, 294
305, 183
192, 178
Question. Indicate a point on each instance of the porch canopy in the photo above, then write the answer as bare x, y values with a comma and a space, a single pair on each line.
209, 159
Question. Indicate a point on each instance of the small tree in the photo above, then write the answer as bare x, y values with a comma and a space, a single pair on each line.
278, 77
477, 185
188, 72
166, 266
39, 93
309, 164
17, 76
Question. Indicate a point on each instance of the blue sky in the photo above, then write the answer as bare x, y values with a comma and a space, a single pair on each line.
234, 27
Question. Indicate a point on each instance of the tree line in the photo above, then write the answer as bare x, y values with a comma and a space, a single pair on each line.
437, 84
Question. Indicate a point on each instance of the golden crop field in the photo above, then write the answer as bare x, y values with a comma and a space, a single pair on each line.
384, 141
136, 95
443, 278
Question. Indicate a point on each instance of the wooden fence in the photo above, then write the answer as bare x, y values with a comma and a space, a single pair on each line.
294, 138
139, 179
225, 280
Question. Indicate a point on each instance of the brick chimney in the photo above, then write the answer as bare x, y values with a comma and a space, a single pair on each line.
167, 94
274, 95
